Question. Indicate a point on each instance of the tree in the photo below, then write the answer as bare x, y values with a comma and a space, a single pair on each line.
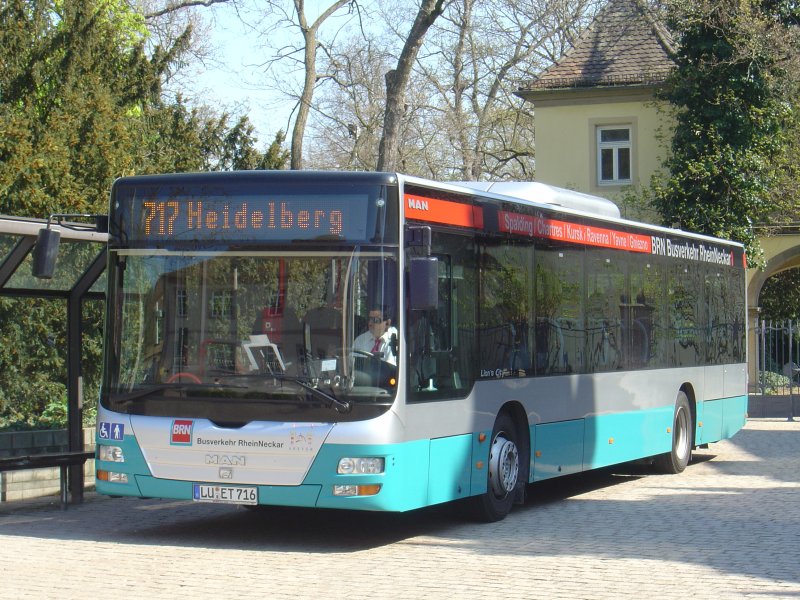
780, 296
728, 91
346, 127
484, 49
81, 104
397, 82
77, 69
310, 44
279, 16
178, 138
461, 119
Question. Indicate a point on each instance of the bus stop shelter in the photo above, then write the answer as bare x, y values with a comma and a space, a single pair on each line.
79, 276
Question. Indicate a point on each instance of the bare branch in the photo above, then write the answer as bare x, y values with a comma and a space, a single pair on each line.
176, 6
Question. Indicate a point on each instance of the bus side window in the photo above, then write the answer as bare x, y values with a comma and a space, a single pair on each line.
559, 309
506, 307
684, 317
607, 310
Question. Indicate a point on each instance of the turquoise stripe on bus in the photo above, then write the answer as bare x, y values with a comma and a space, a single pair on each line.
450, 471
134, 465
720, 419
403, 483
558, 449
418, 473
734, 415
480, 462
622, 437
424, 472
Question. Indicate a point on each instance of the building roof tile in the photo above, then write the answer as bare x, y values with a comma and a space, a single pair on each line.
625, 45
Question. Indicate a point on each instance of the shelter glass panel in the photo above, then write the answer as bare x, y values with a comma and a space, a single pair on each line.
7, 243
74, 257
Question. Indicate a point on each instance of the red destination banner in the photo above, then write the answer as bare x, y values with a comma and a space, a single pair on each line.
587, 235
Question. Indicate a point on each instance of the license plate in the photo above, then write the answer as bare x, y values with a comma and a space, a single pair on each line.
225, 494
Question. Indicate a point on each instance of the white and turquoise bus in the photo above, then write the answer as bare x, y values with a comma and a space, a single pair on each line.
521, 332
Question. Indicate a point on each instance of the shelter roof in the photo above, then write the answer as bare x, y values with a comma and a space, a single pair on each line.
81, 246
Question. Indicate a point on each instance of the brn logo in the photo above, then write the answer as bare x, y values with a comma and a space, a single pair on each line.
181, 432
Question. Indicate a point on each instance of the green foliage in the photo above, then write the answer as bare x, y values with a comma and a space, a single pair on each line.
179, 138
773, 382
62, 140
780, 297
80, 105
32, 359
729, 96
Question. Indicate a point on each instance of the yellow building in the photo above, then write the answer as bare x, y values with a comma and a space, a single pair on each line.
599, 129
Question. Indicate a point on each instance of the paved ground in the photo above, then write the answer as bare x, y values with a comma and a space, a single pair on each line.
728, 527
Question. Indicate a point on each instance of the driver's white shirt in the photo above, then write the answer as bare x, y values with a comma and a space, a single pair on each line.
365, 343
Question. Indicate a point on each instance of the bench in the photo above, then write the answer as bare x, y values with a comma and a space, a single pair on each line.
40, 461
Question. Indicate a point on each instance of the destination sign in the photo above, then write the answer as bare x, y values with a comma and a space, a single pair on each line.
542, 226
243, 218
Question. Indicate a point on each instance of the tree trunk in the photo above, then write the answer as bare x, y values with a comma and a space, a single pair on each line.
397, 80
310, 80
304, 106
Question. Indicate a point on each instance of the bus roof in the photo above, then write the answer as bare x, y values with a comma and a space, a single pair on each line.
544, 195
533, 192
527, 192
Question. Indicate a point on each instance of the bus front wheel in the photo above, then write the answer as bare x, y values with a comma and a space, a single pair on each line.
676, 460
503, 472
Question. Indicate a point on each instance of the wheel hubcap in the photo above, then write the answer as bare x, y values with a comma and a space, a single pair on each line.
682, 434
503, 465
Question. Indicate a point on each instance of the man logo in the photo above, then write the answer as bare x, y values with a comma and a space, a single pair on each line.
230, 460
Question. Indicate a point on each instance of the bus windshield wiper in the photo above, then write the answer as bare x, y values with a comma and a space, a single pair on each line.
181, 387
332, 401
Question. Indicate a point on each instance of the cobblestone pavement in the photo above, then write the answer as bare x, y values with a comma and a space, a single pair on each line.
728, 527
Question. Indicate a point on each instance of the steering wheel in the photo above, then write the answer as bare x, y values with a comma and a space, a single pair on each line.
176, 377
368, 354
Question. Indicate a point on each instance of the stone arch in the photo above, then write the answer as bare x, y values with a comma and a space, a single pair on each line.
782, 252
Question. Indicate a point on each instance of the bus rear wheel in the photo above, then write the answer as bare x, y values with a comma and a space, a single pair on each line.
677, 459
504, 467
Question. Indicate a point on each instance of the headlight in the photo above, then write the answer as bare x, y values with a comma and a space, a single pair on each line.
356, 490
112, 477
110, 453
370, 465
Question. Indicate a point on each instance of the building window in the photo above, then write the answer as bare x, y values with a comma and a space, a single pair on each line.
221, 304
613, 155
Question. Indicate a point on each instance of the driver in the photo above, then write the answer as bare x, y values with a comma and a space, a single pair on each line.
377, 339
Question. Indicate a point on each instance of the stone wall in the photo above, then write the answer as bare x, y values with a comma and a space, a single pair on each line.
773, 406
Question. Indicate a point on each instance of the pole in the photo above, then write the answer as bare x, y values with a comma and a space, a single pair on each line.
794, 371
762, 366
791, 373
74, 378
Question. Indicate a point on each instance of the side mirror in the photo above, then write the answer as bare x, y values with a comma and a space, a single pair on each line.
423, 283
45, 253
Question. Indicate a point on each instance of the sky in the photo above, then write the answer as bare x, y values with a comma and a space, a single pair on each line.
229, 82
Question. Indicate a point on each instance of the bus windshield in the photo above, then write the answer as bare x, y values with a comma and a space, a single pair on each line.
237, 336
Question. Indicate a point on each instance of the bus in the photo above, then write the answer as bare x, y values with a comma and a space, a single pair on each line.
522, 332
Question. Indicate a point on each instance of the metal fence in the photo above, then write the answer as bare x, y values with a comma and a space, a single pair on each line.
778, 360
